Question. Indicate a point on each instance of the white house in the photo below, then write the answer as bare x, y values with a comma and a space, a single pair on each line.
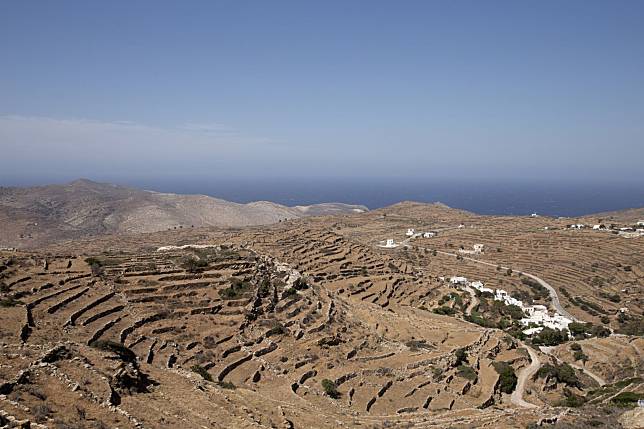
389, 244
458, 280
640, 223
429, 234
534, 215
478, 285
410, 232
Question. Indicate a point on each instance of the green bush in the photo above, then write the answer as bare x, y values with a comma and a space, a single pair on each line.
550, 337
461, 356
226, 385
203, 372
467, 372
289, 292
330, 388
446, 311
627, 398
563, 373
507, 376
278, 329
579, 355
193, 265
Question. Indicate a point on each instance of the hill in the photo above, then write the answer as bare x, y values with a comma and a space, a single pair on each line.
39, 215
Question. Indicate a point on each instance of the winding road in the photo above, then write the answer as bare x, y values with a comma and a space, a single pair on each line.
524, 375
528, 371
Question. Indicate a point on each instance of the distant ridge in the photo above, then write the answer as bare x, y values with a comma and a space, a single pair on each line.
42, 214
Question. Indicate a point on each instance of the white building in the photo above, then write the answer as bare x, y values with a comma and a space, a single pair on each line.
389, 244
458, 280
534, 215
478, 285
640, 223
429, 234
410, 232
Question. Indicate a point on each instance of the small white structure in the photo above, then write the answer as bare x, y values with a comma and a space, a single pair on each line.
458, 280
577, 226
478, 285
477, 248
534, 215
428, 234
640, 223
410, 232
389, 244
461, 226
532, 331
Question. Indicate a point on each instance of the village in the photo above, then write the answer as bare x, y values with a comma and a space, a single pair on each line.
537, 316
632, 231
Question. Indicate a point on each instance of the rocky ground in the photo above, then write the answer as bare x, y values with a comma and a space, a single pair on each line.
308, 323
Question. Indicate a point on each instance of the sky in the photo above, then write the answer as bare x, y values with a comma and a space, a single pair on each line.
143, 90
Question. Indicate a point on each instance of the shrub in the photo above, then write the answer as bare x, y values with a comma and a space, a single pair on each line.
572, 400
330, 388
289, 292
579, 355
575, 347
278, 329
550, 337
41, 412
226, 385
193, 265
461, 356
203, 372
467, 372
446, 311
627, 398
10, 302
563, 373
507, 376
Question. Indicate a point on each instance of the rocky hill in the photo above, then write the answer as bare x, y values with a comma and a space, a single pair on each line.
39, 215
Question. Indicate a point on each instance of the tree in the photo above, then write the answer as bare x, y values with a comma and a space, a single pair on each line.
507, 376
330, 389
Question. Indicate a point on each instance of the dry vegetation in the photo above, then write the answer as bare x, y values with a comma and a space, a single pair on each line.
109, 332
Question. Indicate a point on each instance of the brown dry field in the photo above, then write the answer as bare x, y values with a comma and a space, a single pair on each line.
365, 322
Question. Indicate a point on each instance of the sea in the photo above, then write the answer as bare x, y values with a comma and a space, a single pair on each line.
489, 197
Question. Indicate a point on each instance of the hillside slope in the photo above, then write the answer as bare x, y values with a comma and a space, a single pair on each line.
39, 215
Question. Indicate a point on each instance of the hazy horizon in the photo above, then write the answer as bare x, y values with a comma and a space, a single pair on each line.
488, 197
454, 90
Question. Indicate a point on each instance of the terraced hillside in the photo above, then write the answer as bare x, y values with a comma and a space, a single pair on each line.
308, 323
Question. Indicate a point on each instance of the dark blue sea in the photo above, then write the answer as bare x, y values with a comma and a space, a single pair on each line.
480, 196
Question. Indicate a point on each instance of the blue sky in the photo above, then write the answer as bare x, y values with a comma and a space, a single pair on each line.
494, 89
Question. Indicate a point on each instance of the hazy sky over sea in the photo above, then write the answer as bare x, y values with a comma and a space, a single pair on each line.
450, 89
